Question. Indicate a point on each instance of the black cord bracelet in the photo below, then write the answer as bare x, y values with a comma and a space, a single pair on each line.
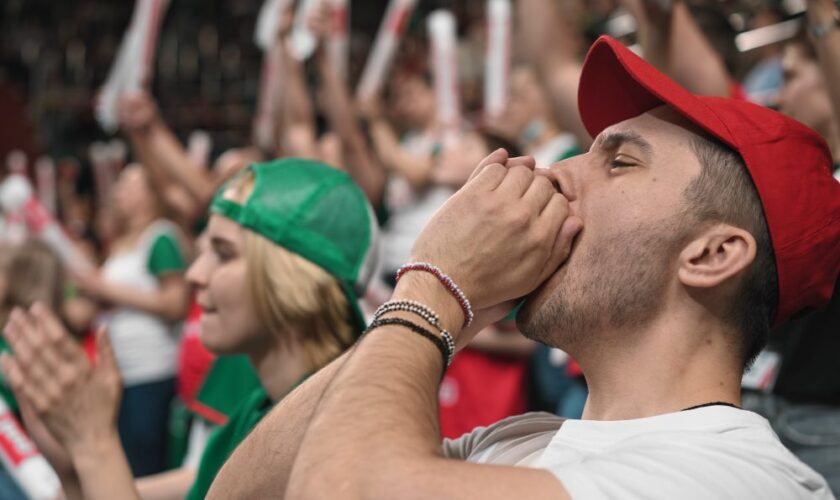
414, 327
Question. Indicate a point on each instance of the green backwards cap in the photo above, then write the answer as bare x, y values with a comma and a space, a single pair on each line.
315, 211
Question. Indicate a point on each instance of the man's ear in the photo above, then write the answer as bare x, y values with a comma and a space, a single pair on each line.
720, 252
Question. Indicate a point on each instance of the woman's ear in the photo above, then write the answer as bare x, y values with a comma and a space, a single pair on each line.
717, 254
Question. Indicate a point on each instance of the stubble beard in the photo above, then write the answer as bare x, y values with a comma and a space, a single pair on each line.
615, 285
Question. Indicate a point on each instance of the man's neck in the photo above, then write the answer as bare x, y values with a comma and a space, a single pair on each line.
666, 367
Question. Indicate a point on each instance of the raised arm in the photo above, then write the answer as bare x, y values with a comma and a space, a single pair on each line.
166, 159
672, 41
552, 42
170, 301
338, 107
260, 466
297, 116
417, 169
375, 432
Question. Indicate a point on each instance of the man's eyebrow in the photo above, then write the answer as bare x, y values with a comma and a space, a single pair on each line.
611, 141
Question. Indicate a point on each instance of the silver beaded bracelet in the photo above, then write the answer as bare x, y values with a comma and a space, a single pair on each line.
424, 312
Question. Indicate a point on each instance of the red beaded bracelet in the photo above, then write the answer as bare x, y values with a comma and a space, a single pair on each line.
446, 281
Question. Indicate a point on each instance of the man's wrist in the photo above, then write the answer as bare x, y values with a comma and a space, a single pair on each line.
426, 289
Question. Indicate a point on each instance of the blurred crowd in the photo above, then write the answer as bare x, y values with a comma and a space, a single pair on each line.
152, 278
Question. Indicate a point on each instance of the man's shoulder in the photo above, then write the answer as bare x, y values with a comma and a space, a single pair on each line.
714, 452
509, 441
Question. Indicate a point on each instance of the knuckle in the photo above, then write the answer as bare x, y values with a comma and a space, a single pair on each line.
544, 182
52, 394
544, 187
540, 236
519, 218
495, 168
38, 402
523, 171
66, 378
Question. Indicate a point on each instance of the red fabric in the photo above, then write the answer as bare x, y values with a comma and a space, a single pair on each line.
194, 360
573, 368
736, 91
210, 414
789, 163
478, 390
89, 345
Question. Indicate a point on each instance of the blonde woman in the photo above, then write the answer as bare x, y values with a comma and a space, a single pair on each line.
291, 247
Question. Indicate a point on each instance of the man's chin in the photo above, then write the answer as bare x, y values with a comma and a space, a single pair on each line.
529, 320
536, 299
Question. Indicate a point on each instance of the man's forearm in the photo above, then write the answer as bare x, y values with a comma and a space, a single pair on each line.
380, 413
261, 465
378, 425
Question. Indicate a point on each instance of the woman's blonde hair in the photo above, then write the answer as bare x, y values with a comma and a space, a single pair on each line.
292, 295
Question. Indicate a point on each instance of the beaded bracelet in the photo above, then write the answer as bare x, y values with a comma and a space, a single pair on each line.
445, 351
446, 281
409, 306
421, 310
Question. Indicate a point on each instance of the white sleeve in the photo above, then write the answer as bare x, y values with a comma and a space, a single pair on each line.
691, 467
506, 441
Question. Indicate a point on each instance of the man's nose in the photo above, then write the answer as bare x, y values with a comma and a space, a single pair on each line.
563, 175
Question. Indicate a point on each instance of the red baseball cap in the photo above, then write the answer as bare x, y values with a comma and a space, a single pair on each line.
790, 164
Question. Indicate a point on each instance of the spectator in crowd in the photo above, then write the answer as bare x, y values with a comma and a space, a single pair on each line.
142, 285
392, 146
803, 400
38, 276
185, 189
684, 334
528, 122
285, 298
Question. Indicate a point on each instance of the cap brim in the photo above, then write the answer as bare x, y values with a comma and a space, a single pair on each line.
616, 85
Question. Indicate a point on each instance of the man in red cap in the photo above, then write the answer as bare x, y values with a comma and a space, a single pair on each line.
658, 260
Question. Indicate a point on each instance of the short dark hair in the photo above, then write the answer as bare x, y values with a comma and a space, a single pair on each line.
724, 192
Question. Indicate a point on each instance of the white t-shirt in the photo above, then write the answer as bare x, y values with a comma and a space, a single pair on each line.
145, 346
715, 452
